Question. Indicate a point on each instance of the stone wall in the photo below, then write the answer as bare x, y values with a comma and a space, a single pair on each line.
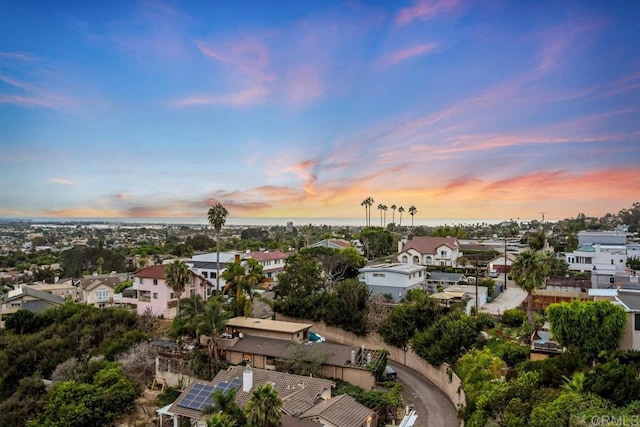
442, 377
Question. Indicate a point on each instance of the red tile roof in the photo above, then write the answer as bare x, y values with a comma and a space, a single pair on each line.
152, 272
268, 256
429, 244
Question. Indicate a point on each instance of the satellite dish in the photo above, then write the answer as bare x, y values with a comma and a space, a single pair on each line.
241, 335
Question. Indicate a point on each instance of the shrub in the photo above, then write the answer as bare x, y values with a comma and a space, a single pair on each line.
512, 353
514, 317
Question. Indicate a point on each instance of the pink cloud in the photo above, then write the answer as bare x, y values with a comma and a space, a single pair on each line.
406, 53
424, 10
60, 181
252, 96
303, 85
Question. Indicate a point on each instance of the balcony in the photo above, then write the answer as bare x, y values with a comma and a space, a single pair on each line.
144, 298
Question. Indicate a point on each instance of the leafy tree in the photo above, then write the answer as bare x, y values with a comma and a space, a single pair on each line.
217, 216
336, 264
567, 409
264, 408
477, 369
377, 242
303, 360
447, 339
588, 326
615, 382
220, 420
351, 297
224, 404
512, 353
418, 312
122, 286
377, 313
177, 275
530, 270
301, 278
551, 371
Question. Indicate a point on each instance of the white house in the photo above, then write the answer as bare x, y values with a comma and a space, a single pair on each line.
393, 279
602, 261
207, 265
272, 263
427, 250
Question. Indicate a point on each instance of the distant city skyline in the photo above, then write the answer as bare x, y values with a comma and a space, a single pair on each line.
464, 109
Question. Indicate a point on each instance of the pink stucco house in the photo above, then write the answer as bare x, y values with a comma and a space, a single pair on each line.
150, 291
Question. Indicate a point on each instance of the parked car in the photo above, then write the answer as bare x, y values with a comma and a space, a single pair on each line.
315, 337
493, 273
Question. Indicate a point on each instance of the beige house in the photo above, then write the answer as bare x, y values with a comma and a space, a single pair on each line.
269, 344
27, 298
98, 291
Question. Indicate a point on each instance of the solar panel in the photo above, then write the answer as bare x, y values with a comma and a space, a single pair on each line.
236, 383
198, 398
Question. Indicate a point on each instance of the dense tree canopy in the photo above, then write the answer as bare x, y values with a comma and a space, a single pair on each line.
588, 326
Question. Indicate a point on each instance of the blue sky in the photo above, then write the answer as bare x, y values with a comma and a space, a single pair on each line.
464, 109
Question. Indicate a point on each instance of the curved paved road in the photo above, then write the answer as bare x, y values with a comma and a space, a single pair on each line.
431, 405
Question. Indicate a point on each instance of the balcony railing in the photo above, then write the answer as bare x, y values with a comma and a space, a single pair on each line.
144, 298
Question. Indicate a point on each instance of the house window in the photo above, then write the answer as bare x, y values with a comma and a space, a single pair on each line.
155, 282
405, 260
637, 322
270, 361
155, 295
205, 274
172, 295
102, 294
416, 260
15, 304
443, 253
140, 280
378, 274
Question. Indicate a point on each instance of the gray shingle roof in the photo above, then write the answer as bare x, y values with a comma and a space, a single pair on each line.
341, 411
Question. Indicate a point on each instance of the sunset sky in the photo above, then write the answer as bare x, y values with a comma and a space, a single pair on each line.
464, 109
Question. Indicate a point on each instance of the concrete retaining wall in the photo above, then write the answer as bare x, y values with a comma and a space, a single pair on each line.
442, 377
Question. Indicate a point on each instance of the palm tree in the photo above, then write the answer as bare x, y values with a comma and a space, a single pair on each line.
369, 204
365, 203
100, 263
191, 310
177, 275
380, 208
213, 321
217, 217
220, 420
412, 212
530, 270
393, 217
384, 209
400, 209
224, 404
264, 408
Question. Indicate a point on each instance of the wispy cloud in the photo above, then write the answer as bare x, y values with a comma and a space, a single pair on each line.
60, 181
424, 10
256, 95
406, 53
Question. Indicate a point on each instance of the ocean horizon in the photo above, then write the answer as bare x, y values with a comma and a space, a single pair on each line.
252, 221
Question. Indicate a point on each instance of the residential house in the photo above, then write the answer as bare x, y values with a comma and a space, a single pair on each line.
428, 250
341, 411
99, 291
298, 393
438, 280
272, 263
629, 298
151, 292
393, 279
268, 344
601, 261
27, 298
466, 293
64, 289
207, 265
500, 264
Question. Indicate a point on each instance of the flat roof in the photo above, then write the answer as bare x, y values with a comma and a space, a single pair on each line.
268, 324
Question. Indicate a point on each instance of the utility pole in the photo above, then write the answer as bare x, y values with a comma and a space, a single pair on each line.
543, 214
476, 284
505, 262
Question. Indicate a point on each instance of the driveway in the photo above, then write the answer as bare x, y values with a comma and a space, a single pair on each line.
433, 408
512, 297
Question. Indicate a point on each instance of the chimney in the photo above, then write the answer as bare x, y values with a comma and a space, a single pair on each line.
247, 379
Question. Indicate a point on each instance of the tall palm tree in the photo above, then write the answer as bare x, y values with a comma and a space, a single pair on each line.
217, 216
365, 203
393, 217
264, 408
412, 212
380, 208
400, 209
177, 275
530, 270
369, 203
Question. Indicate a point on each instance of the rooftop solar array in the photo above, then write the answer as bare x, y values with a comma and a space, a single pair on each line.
199, 396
